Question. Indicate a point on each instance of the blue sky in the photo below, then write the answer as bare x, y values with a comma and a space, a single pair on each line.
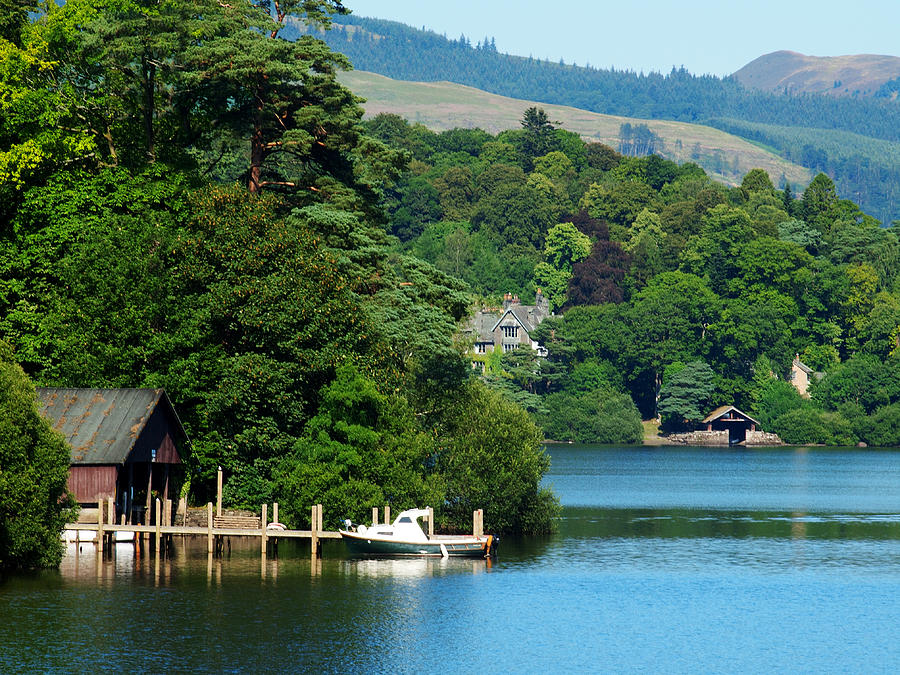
705, 36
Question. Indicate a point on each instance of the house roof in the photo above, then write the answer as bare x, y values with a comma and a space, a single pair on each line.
523, 314
482, 324
802, 366
103, 425
721, 411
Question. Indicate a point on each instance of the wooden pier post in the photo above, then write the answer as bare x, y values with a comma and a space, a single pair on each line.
158, 524
219, 494
100, 526
110, 520
320, 527
209, 526
275, 520
387, 515
374, 516
430, 521
478, 522
314, 524
263, 535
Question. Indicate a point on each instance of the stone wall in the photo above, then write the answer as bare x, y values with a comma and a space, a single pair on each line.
721, 438
700, 438
763, 438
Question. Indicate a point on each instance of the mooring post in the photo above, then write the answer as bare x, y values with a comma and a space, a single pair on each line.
320, 527
100, 526
263, 535
219, 494
275, 520
387, 515
169, 520
430, 521
374, 516
158, 524
314, 539
110, 518
209, 527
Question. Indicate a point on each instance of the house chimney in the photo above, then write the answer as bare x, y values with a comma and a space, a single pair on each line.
507, 300
541, 305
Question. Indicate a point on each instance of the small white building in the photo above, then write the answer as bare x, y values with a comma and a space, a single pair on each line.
801, 375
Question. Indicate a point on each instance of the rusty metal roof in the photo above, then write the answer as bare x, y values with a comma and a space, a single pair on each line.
103, 425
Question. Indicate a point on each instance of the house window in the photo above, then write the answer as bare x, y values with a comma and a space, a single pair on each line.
508, 347
510, 331
480, 348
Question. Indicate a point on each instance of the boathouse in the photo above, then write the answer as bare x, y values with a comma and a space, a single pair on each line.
727, 426
124, 443
733, 422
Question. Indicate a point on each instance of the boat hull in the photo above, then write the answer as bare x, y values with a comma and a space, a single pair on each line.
470, 547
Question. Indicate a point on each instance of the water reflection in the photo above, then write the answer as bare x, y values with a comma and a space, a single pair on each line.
593, 523
190, 556
413, 567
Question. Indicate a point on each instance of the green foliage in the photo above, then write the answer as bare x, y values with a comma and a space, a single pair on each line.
492, 459
864, 380
362, 449
686, 397
774, 399
597, 416
808, 426
884, 427
538, 138
563, 247
34, 504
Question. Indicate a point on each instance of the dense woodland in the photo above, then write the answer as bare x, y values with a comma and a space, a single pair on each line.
673, 293
191, 201
860, 168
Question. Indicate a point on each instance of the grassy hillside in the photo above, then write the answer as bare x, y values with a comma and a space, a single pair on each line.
444, 105
856, 75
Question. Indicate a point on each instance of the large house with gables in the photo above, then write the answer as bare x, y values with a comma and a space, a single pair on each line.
509, 327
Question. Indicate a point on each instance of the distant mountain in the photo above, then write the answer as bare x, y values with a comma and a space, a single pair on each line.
860, 75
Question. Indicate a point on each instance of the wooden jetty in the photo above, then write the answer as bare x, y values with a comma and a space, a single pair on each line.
220, 526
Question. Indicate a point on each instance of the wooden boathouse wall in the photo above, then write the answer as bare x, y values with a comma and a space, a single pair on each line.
124, 444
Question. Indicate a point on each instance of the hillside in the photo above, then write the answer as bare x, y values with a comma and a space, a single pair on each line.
444, 105
405, 53
859, 75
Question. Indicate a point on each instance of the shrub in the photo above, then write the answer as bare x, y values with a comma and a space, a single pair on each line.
34, 469
802, 426
884, 427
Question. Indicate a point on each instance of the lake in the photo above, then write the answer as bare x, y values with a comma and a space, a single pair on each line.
666, 560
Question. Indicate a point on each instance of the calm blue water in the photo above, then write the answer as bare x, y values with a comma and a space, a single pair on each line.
667, 560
